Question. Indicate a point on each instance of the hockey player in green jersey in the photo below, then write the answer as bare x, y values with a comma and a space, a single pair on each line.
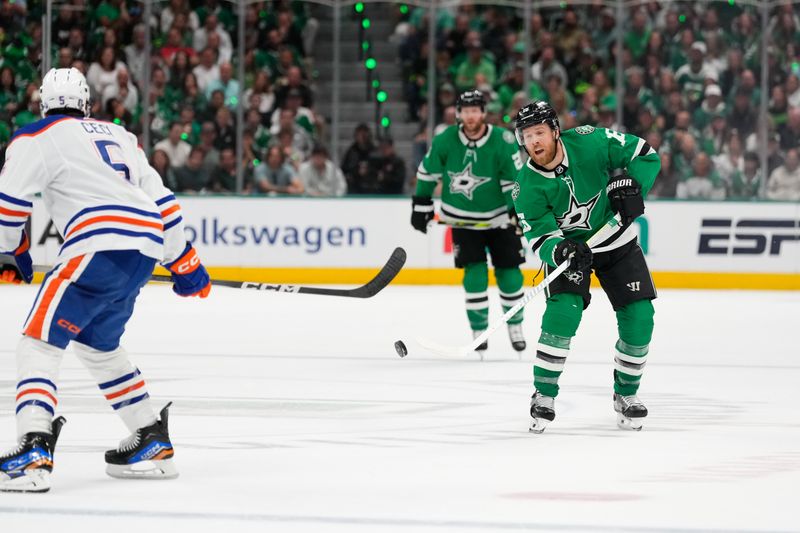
477, 164
572, 184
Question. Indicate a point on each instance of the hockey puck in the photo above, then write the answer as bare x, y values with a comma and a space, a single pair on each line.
401, 349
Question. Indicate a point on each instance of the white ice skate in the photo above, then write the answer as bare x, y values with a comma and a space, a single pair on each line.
542, 412
630, 412
517, 338
481, 349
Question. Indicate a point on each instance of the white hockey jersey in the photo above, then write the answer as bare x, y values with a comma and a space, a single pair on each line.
97, 185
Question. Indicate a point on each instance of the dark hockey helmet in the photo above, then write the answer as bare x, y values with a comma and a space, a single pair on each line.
471, 98
539, 112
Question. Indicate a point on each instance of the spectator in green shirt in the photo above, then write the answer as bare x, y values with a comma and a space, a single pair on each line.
636, 39
475, 64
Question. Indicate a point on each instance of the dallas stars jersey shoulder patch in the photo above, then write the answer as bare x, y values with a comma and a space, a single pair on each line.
584, 130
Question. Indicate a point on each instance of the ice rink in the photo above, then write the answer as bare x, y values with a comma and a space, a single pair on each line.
293, 413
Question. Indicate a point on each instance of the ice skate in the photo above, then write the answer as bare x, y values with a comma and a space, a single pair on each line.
517, 337
542, 412
27, 467
146, 454
630, 412
482, 347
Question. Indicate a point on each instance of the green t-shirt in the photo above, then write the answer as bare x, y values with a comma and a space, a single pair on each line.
477, 175
570, 201
465, 75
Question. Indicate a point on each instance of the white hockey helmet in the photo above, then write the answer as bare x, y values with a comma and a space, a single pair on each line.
64, 88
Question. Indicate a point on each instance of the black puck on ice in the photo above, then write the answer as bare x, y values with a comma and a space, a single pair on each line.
401, 349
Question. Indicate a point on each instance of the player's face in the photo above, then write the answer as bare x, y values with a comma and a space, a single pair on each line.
472, 119
540, 143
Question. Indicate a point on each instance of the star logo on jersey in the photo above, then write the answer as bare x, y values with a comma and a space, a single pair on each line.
578, 214
515, 191
465, 182
575, 276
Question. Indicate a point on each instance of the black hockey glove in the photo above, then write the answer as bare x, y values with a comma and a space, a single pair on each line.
625, 196
577, 251
421, 212
513, 221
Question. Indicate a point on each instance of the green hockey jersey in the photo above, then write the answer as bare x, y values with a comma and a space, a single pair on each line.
477, 176
570, 201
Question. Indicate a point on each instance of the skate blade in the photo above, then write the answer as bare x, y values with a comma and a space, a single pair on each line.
630, 424
538, 425
161, 469
34, 480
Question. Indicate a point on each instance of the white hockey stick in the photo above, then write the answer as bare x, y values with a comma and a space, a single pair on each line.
460, 351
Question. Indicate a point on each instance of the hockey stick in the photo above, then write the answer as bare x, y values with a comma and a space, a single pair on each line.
385, 276
460, 351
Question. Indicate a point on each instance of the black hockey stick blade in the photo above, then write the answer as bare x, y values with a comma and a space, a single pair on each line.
370, 289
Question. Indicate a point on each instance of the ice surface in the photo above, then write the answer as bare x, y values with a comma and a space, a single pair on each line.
294, 413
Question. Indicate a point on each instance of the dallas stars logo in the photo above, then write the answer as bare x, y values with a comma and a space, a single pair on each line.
465, 182
577, 214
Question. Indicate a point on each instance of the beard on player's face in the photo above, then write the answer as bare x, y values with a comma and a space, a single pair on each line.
543, 156
541, 145
472, 120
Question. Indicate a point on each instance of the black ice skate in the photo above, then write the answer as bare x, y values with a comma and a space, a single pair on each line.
542, 412
27, 467
630, 411
482, 347
517, 337
146, 454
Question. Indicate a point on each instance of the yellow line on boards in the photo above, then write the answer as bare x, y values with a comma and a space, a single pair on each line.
452, 276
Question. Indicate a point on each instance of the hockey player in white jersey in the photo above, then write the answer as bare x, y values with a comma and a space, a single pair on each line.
117, 220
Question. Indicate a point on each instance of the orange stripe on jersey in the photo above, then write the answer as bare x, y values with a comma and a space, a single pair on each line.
10, 213
113, 218
168, 212
125, 391
38, 391
37, 321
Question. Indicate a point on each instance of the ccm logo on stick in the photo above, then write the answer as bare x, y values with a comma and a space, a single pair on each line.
747, 236
270, 287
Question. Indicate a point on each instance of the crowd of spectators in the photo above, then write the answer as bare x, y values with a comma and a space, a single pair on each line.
691, 71
193, 87
692, 82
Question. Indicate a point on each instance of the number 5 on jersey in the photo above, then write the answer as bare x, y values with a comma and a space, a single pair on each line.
105, 147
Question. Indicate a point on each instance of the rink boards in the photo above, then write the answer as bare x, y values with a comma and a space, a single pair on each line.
306, 240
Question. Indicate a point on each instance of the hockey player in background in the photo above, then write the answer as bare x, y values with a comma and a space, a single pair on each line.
117, 220
477, 164
563, 195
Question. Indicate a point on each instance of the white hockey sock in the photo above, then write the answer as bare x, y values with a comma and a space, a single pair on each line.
121, 383
37, 374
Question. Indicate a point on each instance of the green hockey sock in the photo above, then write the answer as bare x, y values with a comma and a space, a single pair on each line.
551, 356
510, 281
635, 325
476, 284
559, 324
